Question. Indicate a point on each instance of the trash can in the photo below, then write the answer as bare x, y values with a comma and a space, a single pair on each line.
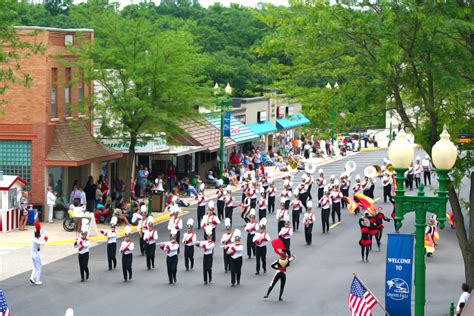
157, 201
32, 216
39, 212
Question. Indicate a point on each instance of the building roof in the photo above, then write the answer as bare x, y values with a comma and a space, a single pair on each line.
262, 128
292, 121
74, 145
201, 133
239, 133
8, 181
54, 29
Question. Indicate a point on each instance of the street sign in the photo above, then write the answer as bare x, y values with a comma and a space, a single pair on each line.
398, 274
227, 124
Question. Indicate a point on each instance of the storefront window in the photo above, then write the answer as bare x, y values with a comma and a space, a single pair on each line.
56, 179
15, 158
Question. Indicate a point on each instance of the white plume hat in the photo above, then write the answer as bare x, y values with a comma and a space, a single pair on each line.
252, 212
227, 222
208, 230
228, 188
237, 233
173, 232
263, 222
309, 204
69, 312
333, 177
190, 222
202, 187
321, 171
357, 177
210, 204
128, 229
113, 221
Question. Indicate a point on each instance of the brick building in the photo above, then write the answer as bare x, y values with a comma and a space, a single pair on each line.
44, 131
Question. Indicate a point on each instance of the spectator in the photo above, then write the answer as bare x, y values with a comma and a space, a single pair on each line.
234, 158
188, 188
366, 139
159, 183
257, 159
119, 187
75, 196
142, 179
463, 298
78, 214
212, 180
90, 191
23, 210
51, 201
171, 176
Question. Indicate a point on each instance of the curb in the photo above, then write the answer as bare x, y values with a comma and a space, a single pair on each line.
121, 233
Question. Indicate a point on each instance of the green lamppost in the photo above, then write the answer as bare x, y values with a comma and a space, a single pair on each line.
333, 115
222, 101
443, 155
390, 136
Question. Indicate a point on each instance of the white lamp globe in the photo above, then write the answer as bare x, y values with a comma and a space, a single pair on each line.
228, 89
401, 152
444, 152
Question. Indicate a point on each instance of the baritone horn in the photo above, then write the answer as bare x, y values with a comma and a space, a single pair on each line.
378, 169
349, 167
292, 166
370, 172
389, 168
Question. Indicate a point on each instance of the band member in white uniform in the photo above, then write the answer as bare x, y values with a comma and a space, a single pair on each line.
271, 191
189, 239
260, 239
201, 205
251, 228
171, 248
175, 223
280, 215
126, 249
210, 220
336, 197
236, 251
229, 203
308, 221
208, 248
82, 244
226, 240
297, 206
262, 204
325, 202
150, 238
285, 195
286, 232
321, 182
111, 235
220, 203
39, 239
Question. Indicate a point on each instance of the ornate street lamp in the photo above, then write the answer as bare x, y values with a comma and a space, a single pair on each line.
401, 154
223, 103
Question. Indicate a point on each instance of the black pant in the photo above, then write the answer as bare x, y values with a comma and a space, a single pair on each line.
271, 204
308, 234
220, 209
320, 194
262, 213
142, 244
409, 181
111, 250
279, 276
261, 256
213, 235
84, 264
345, 192
287, 204
309, 191
200, 214
228, 212
235, 269
427, 176
250, 245
387, 193
207, 267
172, 267
303, 198
226, 260
417, 180
336, 209
150, 250
188, 257
325, 218
364, 251
286, 242
295, 216
243, 197
371, 191
253, 203
280, 225
127, 266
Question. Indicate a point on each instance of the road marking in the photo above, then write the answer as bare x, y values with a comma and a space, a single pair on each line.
334, 225
157, 220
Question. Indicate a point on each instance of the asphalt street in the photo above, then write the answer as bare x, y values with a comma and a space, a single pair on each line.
318, 280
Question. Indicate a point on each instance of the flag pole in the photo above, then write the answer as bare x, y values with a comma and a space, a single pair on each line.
381, 306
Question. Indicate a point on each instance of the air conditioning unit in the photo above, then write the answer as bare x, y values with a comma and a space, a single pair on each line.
68, 40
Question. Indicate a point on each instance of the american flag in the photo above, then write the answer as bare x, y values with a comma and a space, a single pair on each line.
361, 301
4, 311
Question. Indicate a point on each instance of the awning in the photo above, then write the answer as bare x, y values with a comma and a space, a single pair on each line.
73, 145
239, 132
292, 121
204, 134
177, 151
262, 128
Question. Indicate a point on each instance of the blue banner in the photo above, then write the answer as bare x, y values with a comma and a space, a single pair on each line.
398, 274
227, 124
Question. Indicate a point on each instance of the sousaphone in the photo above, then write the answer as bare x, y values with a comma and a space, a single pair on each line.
349, 167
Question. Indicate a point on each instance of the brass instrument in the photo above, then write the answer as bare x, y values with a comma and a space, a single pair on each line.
389, 168
310, 167
370, 172
292, 166
378, 169
349, 167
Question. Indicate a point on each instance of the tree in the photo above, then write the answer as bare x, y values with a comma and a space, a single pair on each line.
150, 77
401, 55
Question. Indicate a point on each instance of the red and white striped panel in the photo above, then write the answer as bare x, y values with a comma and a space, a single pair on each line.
10, 220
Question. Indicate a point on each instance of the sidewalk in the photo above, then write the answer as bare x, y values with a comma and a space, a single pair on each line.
15, 253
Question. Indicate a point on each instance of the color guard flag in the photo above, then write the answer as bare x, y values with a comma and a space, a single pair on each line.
4, 311
361, 301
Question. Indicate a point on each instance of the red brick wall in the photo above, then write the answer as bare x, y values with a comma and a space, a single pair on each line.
27, 114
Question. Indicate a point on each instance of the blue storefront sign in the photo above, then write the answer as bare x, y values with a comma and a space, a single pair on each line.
227, 124
398, 274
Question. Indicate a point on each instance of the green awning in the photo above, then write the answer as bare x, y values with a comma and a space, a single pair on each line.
292, 121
